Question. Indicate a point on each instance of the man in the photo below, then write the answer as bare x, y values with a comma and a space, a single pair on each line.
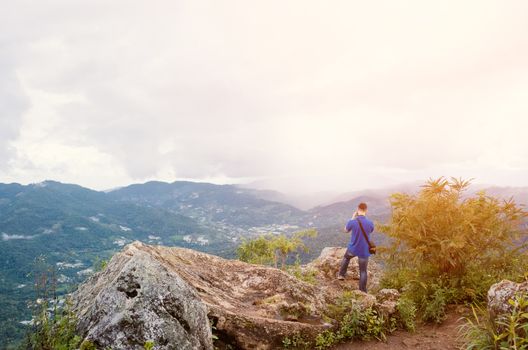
358, 245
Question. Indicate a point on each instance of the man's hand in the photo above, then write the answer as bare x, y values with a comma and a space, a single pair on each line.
345, 230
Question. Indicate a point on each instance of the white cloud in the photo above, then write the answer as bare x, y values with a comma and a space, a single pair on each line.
6, 237
302, 94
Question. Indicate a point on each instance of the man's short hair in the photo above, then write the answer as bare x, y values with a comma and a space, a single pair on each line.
362, 206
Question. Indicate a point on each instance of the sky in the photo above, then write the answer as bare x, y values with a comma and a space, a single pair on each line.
297, 96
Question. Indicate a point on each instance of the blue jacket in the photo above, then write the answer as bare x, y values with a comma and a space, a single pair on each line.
358, 246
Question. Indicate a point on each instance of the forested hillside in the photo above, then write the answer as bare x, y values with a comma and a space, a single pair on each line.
73, 228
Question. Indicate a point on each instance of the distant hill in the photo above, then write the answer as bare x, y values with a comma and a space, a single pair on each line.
519, 194
73, 226
340, 212
209, 203
342, 206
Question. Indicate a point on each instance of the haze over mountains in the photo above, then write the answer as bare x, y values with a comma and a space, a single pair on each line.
73, 226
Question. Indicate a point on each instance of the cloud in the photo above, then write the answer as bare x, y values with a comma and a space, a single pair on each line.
300, 94
6, 237
13, 103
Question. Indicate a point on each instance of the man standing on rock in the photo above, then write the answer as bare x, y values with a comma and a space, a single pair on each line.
358, 246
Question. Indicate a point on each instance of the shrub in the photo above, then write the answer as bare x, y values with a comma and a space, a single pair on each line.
271, 249
354, 322
357, 324
256, 251
99, 264
509, 331
296, 341
447, 247
54, 323
406, 314
435, 304
53, 329
308, 276
350, 321
87, 345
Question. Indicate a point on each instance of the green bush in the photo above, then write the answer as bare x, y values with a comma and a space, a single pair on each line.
354, 322
357, 324
448, 247
509, 331
270, 249
308, 276
88, 345
406, 314
53, 329
297, 341
256, 251
99, 264
435, 304
350, 321
53, 326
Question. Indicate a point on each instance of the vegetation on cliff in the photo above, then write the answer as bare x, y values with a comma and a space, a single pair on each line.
450, 248
446, 247
270, 249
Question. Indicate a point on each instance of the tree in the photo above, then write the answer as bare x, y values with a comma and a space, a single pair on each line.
270, 249
441, 228
284, 246
448, 246
256, 251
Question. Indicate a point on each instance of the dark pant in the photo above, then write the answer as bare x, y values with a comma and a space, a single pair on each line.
362, 262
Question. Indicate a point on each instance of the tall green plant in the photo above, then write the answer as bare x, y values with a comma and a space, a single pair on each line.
448, 246
272, 249
507, 331
53, 326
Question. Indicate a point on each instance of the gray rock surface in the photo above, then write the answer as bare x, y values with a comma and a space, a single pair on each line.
328, 263
136, 299
387, 300
500, 293
169, 296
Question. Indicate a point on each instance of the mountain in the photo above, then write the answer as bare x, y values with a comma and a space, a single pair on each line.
341, 212
519, 194
341, 207
227, 206
73, 226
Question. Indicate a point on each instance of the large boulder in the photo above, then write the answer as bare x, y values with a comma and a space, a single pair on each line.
173, 296
499, 295
137, 299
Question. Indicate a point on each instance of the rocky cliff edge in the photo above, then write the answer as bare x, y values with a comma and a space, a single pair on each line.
174, 296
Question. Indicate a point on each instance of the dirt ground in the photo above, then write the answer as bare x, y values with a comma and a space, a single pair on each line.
427, 337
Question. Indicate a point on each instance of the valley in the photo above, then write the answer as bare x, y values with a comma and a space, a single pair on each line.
73, 229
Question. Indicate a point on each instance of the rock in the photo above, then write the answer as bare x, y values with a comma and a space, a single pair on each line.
169, 296
388, 295
364, 299
387, 300
328, 263
137, 299
166, 295
500, 293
